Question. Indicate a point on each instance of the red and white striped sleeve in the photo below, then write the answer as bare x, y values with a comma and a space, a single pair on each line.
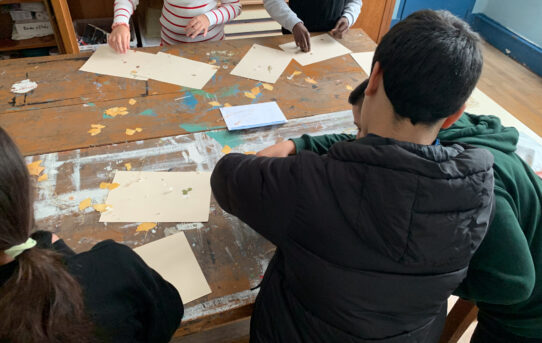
123, 10
227, 11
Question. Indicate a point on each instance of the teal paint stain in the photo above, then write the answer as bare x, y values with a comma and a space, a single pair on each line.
225, 137
193, 127
91, 104
229, 91
149, 113
105, 116
106, 83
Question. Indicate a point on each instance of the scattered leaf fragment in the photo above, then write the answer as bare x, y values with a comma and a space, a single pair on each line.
310, 80
250, 95
255, 90
349, 88
185, 191
128, 166
132, 101
227, 104
101, 207
43, 177
34, 168
84, 204
250, 152
295, 73
267, 86
115, 111
226, 149
110, 186
95, 129
146, 227
214, 103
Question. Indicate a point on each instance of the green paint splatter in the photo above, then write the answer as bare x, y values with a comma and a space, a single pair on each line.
185, 191
229, 91
148, 112
224, 137
91, 104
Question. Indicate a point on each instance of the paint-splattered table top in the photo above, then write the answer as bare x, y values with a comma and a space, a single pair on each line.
60, 112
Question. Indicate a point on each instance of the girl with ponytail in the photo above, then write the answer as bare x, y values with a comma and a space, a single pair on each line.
50, 294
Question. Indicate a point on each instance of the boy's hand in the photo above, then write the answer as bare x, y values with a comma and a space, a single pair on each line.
282, 149
340, 28
302, 37
196, 25
119, 39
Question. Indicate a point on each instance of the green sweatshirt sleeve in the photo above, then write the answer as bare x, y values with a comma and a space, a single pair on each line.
319, 144
503, 259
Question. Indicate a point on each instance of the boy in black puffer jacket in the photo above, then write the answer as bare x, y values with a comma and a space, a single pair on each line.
374, 236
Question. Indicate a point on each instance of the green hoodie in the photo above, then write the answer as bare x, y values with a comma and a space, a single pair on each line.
505, 274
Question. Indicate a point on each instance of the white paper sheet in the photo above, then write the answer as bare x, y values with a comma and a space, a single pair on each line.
249, 116
174, 260
480, 103
365, 60
323, 47
178, 71
262, 64
107, 61
159, 197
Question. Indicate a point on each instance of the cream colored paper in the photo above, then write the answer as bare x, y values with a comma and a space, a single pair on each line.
107, 61
262, 64
323, 47
178, 71
365, 60
480, 103
174, 260
159, 197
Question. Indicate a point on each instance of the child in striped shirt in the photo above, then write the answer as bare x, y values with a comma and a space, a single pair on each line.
182, 21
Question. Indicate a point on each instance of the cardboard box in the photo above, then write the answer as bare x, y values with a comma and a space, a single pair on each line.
31, 28
81, 25
20, 15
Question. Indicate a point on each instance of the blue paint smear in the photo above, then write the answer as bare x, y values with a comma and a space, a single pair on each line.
257, 98
98, 85
148, 112
190, 100
105, 116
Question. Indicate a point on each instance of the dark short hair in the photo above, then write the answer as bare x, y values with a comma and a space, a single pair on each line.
358, 94
431, 62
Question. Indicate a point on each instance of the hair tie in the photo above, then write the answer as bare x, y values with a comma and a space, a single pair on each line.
16, 250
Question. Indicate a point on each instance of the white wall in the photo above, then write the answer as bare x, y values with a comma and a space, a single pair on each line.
523, 17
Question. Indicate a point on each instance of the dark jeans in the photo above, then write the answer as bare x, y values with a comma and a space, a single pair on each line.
491, 333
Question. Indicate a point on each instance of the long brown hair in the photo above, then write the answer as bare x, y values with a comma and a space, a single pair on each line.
41, 301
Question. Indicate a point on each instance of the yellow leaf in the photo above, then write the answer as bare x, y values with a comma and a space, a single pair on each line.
349, 88
101, 207
43, 177
255, 90
95, 129
146, 226
214, 103
132, 101
115, 111
227, 105
130, 132
267, 86
250, 153
226, 150
128, 166
84, 204
295, 73
138, 129
250, 95
97, 126
110, 186
34, 168
310, 80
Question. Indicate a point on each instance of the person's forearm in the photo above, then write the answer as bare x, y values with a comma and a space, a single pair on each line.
319, 144
281, 12
227, 11
123, 10
351, 11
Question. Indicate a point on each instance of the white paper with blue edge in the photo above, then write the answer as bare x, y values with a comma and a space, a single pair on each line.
255, 115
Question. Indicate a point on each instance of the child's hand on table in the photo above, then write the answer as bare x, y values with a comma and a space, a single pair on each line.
282, 149
119, 39
196, 25
340, 28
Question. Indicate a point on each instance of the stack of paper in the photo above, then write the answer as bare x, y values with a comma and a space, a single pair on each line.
323, 47
249, 116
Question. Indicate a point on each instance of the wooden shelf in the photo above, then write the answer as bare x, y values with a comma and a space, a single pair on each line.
32, 43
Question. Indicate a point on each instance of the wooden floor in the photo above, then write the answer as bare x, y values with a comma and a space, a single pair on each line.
513, 86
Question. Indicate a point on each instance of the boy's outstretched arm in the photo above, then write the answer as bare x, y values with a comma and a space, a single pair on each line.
320, 144
261, 191
502, 269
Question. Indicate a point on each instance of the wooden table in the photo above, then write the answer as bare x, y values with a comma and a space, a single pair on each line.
51, 123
